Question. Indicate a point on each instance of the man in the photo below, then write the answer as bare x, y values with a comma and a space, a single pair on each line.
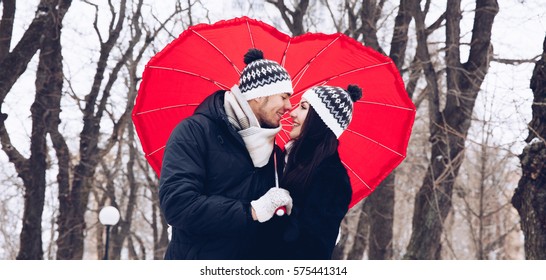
218, 166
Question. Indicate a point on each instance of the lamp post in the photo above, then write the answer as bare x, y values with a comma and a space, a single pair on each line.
108, 216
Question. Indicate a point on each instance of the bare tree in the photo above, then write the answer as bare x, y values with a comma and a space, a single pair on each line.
449, 125
74, 200
530, 196
375, 227
481, 197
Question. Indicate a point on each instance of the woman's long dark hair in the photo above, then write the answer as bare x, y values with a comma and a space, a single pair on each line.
315, 143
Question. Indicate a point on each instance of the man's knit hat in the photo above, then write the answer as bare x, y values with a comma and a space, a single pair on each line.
334, 105
263, 77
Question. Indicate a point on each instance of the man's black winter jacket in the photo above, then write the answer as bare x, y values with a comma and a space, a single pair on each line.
206, 185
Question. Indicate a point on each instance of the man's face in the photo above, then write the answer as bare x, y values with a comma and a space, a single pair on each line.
270, 109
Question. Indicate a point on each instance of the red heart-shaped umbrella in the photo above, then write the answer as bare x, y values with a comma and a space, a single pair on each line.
205, 58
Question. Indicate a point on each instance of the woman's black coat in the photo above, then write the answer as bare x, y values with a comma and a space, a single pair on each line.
310, 232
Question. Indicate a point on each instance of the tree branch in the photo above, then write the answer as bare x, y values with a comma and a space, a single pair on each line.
120, 125
337, 24
435, 25
511, 61
14, 156
96, 20
296, 23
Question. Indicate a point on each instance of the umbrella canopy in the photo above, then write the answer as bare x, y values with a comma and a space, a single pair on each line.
209, 57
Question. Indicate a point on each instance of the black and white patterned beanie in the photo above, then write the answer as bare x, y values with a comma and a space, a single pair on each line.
334, 105
263, 77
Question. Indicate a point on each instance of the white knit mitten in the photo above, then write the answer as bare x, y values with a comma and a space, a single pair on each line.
265, 206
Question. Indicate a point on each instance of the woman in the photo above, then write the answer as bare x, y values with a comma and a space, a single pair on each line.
314, 175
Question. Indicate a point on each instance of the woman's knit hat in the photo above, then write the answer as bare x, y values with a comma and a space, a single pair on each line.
334, 105
263, 77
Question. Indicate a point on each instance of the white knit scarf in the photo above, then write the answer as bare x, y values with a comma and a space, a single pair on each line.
258, 141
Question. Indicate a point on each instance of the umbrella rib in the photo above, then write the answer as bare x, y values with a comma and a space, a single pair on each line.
286, 119
326, 80
358, 69
387, 105
294, 95
165, 108
220, 85
376, 142
217, 49
286, 134
302, 71
250, 34
356, 175
283, 60
157, 150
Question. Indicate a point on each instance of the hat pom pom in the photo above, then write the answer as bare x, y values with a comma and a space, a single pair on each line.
355, 92
253, 55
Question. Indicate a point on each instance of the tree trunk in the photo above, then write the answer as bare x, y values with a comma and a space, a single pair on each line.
530, 195
448, 127
6, 27
361, 236
378, 229
44, 33
369, 15
48, 81
381, 217
343, 243
123, 229
381, 208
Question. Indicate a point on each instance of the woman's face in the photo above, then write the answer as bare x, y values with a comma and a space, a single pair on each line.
298, 116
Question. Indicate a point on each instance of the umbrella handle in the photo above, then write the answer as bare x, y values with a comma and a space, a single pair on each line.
281, 210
